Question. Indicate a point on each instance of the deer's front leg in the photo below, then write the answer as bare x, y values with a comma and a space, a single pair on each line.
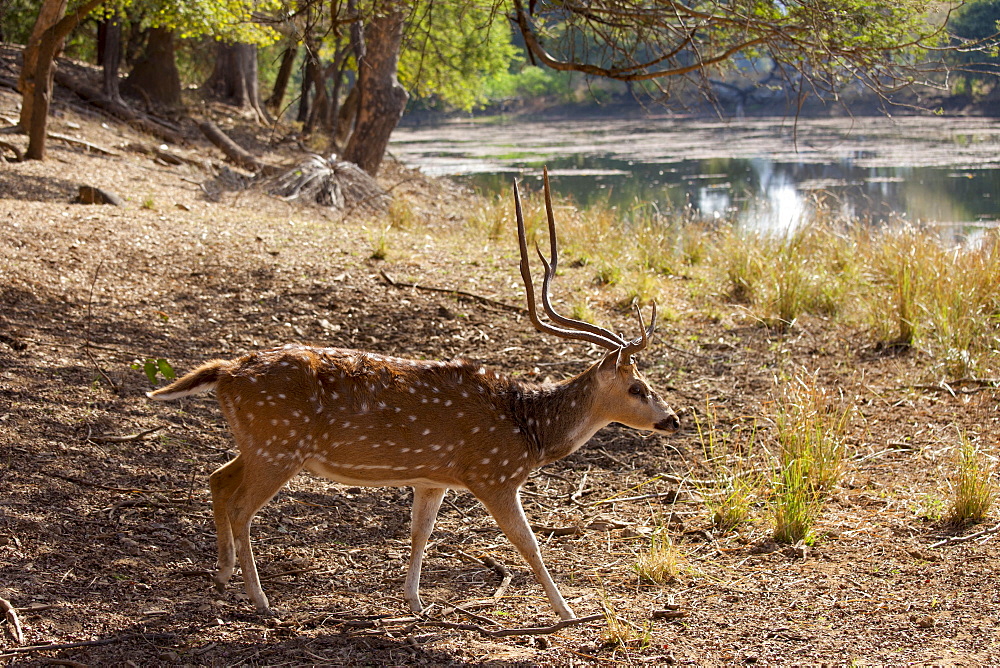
426, 503
505, 506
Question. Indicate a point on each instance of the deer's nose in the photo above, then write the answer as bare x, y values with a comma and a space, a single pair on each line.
668, 424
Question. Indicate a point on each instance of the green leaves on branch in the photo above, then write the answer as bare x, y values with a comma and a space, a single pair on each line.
153, 367
226, 20
452, 48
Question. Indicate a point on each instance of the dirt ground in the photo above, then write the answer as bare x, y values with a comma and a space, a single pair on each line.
105, 541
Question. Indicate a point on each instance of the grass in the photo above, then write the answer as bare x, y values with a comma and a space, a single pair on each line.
973, 490
379, 244
661, 563
901, 285
736, 484
618, 631
795, 504
810, 428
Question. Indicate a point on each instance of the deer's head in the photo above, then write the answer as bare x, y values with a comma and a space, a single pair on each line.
623, 394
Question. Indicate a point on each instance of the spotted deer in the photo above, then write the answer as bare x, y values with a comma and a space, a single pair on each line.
364, 419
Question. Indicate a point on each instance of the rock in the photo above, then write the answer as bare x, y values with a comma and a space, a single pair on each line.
95, 195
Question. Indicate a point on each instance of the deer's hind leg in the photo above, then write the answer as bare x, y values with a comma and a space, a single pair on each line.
223, 482
239, 490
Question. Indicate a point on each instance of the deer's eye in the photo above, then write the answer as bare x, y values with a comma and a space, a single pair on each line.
637, 391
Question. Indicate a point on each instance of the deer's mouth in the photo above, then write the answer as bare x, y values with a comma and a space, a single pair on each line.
668, 425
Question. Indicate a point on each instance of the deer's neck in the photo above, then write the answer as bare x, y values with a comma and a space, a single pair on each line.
559, 418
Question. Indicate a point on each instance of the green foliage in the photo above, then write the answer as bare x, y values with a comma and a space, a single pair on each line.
529, 82
451, 48
228, 20
976, 22
153, 367
17, 18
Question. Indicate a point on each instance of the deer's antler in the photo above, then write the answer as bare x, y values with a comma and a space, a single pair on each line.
567, 328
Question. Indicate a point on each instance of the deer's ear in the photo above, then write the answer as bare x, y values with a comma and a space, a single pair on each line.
611, 360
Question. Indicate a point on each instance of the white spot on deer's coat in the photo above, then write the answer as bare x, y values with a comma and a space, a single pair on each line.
447, 402
426, 431
475, 430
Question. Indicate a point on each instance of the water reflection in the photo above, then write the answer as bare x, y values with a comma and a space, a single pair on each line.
748, 174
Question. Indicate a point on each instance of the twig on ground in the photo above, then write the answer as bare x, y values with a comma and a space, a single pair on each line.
296, 571
955, 387
12, 652
86, 331
451, 291
18, 156
529, 631
575, 496
557, 531
10, 614
658, 495
124, 439
87, 483
494, 566
85, 144
961, 539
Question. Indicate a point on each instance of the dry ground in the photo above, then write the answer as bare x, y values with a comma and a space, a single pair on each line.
106, 543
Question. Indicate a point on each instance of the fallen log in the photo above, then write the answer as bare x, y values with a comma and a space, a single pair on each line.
239, 155
96, 97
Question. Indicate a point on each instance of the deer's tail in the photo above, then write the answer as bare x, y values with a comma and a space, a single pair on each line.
202, 379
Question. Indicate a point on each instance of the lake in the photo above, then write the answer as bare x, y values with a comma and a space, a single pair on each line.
762, 172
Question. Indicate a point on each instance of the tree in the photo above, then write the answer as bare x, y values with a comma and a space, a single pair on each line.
226, 19
109, 54
826, 43
381, 98
288, 57
818, 45
48, 15
155, 72
974, 29
38, 74
234, 79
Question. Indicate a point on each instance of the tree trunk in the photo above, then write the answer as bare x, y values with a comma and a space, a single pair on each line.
155, 74
281, 82
345, 119
337, 73
307, 82
49, 44
50, 13
321, 102
381, 97
109, 55
234, 80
